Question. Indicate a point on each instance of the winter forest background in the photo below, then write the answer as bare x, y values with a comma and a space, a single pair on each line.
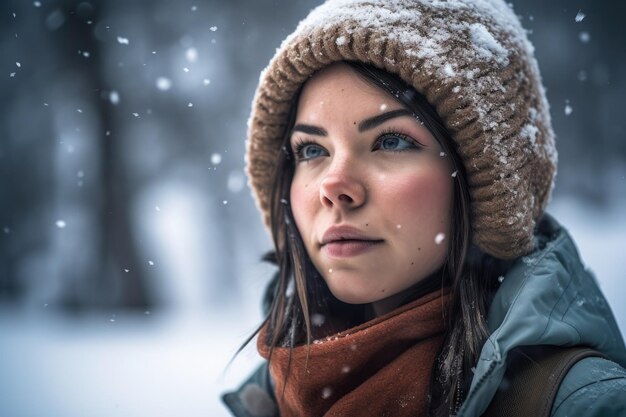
130, 246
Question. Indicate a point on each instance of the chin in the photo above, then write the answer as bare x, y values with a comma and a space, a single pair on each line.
352, 295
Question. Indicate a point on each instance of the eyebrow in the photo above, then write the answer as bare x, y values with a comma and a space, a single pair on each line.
311, 130
366, 124
375, 121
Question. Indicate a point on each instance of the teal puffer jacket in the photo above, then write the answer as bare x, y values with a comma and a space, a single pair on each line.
546, 298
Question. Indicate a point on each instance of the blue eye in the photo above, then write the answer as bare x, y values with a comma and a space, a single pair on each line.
309, 150
394, 142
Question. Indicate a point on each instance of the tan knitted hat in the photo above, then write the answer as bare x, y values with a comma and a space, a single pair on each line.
472, 61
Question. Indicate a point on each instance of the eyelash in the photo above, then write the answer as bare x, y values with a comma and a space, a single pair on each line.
401, 135
300, 143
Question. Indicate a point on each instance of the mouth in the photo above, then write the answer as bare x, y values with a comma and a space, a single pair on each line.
346, 241
349, 248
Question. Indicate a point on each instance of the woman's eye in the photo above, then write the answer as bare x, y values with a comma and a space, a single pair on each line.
394, 142
307, 151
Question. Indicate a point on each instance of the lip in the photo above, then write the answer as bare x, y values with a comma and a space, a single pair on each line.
346, 241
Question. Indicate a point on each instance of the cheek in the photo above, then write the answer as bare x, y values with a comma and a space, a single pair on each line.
423, 199
302, 199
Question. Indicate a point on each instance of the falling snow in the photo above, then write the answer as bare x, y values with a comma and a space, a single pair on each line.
114, 97
327, 392
151, 263
318, 319
122, 41
568, 110
580, 16
61, 224
191, 54
213, 28
236, 181
163, 83
439, 238
216, 158
584, 37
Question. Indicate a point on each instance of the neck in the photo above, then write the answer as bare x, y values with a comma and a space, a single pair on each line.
417, 290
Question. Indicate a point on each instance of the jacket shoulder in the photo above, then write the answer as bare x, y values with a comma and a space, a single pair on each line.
254, 398
593, 387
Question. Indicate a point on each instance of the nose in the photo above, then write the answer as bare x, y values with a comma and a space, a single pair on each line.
342, 187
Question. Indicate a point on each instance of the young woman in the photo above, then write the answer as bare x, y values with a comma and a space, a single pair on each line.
402, 155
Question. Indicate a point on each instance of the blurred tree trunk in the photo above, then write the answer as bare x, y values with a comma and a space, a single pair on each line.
109, 286
25, 170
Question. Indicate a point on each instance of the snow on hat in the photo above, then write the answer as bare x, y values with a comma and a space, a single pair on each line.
472, 61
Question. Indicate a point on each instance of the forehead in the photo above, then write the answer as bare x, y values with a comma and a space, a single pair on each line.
339, 84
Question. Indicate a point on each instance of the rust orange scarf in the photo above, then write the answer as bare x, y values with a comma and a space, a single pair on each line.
380, 368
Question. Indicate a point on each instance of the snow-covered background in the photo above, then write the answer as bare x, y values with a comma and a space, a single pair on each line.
129, 243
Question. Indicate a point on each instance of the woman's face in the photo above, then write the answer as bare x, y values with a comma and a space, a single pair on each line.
371, 193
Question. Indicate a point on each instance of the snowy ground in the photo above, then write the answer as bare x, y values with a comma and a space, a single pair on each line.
151, 366
133, 367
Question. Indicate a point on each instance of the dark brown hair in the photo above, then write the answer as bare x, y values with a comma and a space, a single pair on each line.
298, 291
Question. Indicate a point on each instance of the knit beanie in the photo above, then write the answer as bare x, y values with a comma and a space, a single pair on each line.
472, 61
